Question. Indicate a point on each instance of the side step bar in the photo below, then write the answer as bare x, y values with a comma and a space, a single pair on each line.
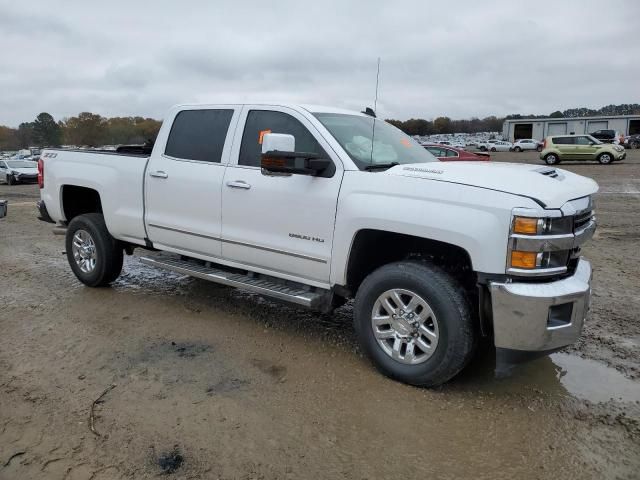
298, 296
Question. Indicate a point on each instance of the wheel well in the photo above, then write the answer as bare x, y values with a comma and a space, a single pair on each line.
372, 249
78, 200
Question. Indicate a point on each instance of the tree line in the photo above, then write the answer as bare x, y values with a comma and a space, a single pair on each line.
90, 129
420, 126
85, 129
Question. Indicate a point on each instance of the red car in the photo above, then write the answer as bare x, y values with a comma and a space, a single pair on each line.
446, 153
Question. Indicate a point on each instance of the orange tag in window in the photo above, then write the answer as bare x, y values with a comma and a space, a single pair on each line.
262, 134
405, 142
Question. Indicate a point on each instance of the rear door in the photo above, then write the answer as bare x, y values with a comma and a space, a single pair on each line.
279, 224
183, 183
567, 147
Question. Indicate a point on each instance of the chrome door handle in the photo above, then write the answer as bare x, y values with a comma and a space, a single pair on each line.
239, 184
159, 174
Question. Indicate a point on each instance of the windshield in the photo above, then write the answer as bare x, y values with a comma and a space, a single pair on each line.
367, 147
22, 164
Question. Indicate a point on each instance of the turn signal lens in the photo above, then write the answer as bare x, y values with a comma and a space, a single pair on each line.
523, 259
525, 225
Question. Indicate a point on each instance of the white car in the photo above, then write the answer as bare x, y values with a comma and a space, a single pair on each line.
318, 205
525, 144
18, 171
499, 146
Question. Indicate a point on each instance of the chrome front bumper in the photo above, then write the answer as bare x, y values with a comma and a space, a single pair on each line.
538, 317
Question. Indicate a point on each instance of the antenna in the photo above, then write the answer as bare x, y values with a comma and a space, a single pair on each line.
375, 102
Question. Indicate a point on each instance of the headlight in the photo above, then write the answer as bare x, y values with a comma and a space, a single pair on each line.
543, 242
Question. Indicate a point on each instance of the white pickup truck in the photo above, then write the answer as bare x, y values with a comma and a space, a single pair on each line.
316, 206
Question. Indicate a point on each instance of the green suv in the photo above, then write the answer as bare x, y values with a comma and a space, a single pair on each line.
579, 147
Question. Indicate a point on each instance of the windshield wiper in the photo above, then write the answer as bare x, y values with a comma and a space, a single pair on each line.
377, 166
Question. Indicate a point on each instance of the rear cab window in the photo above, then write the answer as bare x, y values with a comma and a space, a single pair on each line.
199, 135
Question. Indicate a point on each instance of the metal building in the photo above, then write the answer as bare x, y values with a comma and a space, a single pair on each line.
540, 128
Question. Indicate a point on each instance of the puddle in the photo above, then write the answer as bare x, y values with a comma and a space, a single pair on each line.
593, 381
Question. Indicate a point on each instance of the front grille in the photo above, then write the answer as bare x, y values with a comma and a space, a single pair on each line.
581, 220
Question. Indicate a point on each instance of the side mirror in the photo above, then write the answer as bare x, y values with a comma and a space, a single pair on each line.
592, 143
279, 156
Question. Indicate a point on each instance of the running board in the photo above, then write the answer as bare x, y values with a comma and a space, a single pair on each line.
298, 296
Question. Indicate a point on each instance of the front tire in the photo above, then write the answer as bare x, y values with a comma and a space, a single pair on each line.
517, 149
414, 323
93, 254
11, 180
605, 158
551, 159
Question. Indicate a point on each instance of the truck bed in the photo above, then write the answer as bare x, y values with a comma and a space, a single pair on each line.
118, 178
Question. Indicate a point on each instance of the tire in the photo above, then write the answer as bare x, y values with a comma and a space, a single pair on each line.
551, 159
106, 255
517, 149
11, 180
494, 149
635, 145
605, 158
451, 320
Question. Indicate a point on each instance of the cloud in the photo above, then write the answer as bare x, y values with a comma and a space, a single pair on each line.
459, 59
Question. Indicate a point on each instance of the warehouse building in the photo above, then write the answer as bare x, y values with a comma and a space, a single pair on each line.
540, 128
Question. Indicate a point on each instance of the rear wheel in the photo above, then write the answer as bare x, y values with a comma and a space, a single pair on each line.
93, 254
605, 158
414, 323
551, 159
635, 145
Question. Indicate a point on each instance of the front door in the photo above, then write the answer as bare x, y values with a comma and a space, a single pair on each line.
584, 149
279, 224
183, 184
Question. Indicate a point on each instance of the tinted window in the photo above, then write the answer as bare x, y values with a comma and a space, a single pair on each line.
199, 135
260, 122
564, 140
436, 151
583, 141
451, 153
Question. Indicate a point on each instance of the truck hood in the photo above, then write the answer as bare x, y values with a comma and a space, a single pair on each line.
550, 186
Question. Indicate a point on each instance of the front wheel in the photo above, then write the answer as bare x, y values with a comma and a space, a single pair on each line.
517, 149
605, 158
11, 180
414, 323
93, 254
551, 159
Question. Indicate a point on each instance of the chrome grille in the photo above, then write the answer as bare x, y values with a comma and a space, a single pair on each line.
582, 219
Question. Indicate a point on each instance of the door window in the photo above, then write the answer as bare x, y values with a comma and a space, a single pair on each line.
564, 140
582, 141
199, 135
260, 122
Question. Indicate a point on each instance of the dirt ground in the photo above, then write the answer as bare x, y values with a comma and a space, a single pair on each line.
210, 382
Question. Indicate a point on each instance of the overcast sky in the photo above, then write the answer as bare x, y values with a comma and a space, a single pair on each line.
455, 58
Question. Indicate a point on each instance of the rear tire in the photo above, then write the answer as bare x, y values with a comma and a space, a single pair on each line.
635, 145
605, 158
551, 159
93, 254
441, 308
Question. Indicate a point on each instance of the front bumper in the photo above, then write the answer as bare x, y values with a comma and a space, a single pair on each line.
26, 178
541, 317
621, 155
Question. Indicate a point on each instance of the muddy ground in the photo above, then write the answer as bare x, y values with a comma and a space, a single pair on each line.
214, 383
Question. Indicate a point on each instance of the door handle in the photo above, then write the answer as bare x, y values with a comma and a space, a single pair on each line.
159, 174
239, 184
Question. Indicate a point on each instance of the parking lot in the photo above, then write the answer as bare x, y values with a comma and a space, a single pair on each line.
211, 382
